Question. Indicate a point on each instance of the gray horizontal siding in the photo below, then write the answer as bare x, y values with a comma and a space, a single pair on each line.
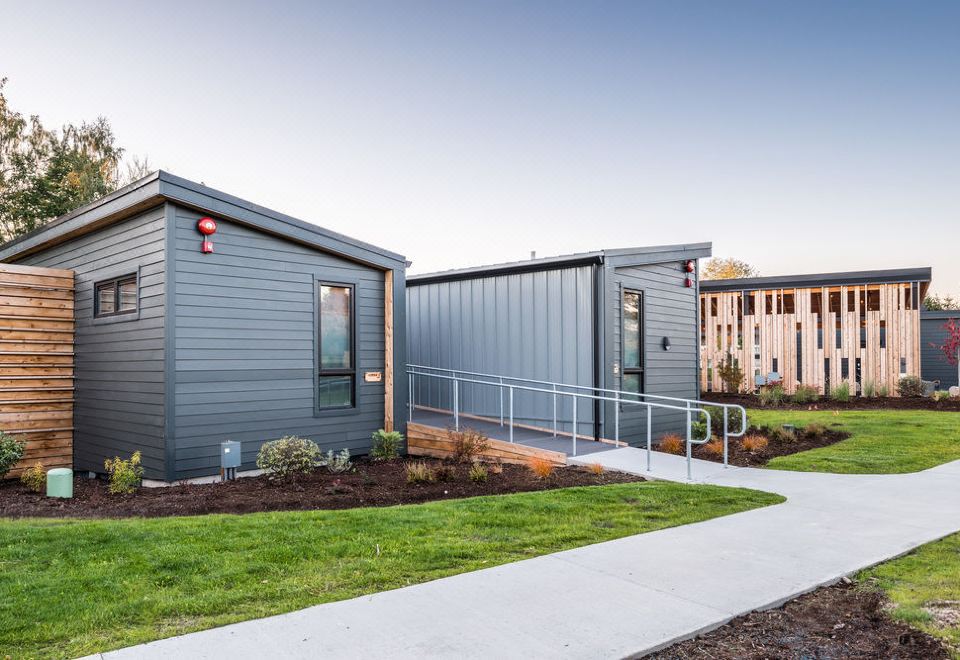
933, 363
244, 345
119, 366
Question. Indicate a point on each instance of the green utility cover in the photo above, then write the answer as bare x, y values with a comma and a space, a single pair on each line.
60, 482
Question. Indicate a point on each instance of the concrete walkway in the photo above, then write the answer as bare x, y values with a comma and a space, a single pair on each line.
622, 597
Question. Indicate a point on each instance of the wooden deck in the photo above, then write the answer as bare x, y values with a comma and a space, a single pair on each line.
427, 436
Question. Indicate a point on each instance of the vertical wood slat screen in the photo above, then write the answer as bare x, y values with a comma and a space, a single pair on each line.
37, 363
726, 328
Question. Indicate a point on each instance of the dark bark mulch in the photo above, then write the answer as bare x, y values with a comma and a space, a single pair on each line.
778, 445
855, 403
368, 484
832, 622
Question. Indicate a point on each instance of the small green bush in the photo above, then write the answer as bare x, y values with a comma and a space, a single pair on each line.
869, 389
125, 476
478, 473
11, 451
910, 386
806, 394
386, 445
841, 392
34, 478
288, 456
941, 395
815, 430
419, 473
771, 395
339, 462
883, 391
698, 430
716, 420
468, 444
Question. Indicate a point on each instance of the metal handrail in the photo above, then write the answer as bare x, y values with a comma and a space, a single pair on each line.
727, 433
456, 380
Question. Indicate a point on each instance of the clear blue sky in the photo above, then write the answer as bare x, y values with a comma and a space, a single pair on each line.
801, 137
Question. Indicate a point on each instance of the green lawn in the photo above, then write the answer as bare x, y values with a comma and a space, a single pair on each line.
924, 587
69, 588
882, 442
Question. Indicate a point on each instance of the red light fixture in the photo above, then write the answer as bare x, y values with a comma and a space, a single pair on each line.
688, 266
207, 227
687, 282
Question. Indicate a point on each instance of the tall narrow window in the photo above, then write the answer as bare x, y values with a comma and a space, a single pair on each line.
851, 301
903, 366
844, 368
799, 353
115, 297
750, 303
776, 365
816, 302
336, 375
633, 341
835, 302
839, 332
826, 375
883, 334
788, 306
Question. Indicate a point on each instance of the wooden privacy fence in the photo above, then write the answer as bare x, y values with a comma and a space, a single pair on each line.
36, 363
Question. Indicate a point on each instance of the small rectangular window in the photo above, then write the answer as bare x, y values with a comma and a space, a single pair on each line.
750, 303
851, 301
903, 366
776, 365
835, 302
788, 306
633, 341
115, 297
799, 354
873, 299
826, 375
714, 303
883, 334
769, 303
844, 368
336, 373
863, 334
816, 302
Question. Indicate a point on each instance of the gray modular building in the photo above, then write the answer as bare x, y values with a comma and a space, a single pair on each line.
283, 328
616, 319
934, 365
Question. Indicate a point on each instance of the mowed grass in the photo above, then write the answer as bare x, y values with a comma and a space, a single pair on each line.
924, 587
74, 587
881, 442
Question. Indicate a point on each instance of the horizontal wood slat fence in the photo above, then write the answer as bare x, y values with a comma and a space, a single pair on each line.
813, 336
37, 363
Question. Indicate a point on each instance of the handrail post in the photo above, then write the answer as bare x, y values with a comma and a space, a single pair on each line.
410, 396
500, 395
689, 438
511, 412
574, 424
725, 437
456, 403
616, 420
649, 433
554, 410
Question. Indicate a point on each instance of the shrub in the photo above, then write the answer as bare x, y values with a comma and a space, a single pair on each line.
771, 395
11, 451
714, 447
419, 473
941, 395
445, 473
288, 456
910, 386
731, 374
815, 430
716, 420
540, 467
125, 476
386, 445
806, 394
699, 430
672, 443
596, 469
468, 444
339, 462
869, 389
34, 478
841, 392
754, 443
782, 436
478, 473
883, 391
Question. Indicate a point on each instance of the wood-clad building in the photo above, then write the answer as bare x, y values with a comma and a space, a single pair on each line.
819, 330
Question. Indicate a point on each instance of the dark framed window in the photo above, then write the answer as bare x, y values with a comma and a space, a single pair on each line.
115, 297
633, 341
336, 342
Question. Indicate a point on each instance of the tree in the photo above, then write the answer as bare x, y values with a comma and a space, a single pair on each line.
951, 345
45, 173
934, 302
731, 374
727, 268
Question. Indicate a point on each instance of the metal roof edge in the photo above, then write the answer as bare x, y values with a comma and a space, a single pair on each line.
921, 274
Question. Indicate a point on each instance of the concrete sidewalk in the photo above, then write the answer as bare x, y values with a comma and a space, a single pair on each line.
622, 597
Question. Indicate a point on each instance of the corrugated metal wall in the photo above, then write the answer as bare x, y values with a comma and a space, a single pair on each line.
933, 363
533, 325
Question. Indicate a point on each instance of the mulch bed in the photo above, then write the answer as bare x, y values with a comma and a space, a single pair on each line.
832, 622
368, 484
802, 441
855, 403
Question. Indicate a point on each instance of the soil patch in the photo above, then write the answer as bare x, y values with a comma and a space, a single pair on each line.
832, 622
855, 403
369, 483
779, 443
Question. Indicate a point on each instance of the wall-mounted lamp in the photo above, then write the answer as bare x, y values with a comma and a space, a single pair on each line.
665, 343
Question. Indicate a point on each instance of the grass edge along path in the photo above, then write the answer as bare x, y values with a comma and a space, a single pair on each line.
881, 442
74, 587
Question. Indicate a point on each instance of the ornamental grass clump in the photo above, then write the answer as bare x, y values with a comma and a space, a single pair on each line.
841, 392
540, 467
125, 476
289, 456
910, 386
806, 394
714, 447
11, 452
671, 443
754, 443
419, 473
478, 473
771, 395
815, 430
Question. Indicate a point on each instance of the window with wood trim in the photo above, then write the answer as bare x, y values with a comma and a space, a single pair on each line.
115, 297
336, 341
633, 341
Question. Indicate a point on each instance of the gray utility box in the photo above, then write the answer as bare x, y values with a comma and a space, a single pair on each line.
230, 454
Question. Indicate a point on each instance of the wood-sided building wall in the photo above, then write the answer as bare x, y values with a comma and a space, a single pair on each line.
867, 335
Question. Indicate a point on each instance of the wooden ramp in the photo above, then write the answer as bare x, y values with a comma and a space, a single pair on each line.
427, 435
36, 363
